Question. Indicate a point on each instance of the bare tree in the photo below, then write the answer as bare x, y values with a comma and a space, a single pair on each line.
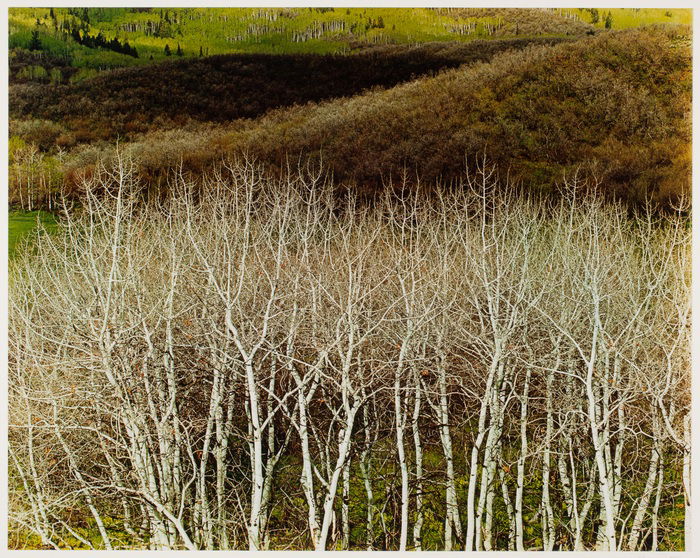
469, 369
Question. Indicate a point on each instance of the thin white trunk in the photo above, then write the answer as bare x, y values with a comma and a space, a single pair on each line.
481, 433
641, 512
399, 421
548, 523
520, 483
365, 468
418, 451
603, 467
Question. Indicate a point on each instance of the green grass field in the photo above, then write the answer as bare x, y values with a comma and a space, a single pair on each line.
21, 223
234, 30
624, 18
209, 31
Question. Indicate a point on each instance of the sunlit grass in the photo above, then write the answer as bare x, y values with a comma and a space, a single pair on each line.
277, 30
623, 18
22, 223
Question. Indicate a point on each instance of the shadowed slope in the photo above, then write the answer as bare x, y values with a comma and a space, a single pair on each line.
619, 103
226, 87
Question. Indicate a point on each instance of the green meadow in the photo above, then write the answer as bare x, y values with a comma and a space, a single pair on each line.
192, 32
22, 223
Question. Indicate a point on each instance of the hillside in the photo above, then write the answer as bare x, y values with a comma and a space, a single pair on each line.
226, 87
576, 20
155, 34
191, 32
619, 101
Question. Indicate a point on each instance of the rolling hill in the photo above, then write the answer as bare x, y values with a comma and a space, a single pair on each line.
225, 87
618, 102
68, 34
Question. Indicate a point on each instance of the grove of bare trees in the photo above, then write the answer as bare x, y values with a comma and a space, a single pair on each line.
252, 364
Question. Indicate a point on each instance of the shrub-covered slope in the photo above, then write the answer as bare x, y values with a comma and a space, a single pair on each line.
621, 100
227, 87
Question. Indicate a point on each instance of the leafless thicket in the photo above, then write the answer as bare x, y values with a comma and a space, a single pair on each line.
259, 368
